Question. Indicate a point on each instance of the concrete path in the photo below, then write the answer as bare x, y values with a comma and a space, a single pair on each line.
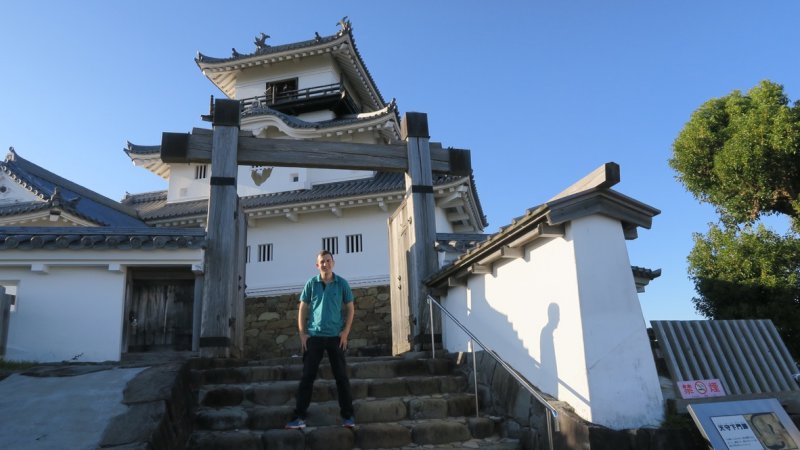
60, 412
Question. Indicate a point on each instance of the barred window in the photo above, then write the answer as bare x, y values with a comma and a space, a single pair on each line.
353, 242
264, 252
247, 254
331, 244
200, 171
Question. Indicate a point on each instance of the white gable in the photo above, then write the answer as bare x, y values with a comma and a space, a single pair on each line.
11, 192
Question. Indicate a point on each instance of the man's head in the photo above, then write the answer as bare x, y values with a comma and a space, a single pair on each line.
325, 264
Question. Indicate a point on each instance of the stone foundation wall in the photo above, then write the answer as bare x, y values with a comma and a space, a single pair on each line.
522, 417
271, 324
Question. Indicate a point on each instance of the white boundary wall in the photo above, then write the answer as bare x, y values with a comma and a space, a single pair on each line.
70, 303
568, 318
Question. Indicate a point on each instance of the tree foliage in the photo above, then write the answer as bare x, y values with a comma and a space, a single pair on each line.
741, 153
748, 273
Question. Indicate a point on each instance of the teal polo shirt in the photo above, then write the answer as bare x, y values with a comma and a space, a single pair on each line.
325, 305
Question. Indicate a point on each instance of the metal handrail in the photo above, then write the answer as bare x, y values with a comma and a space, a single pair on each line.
552, 417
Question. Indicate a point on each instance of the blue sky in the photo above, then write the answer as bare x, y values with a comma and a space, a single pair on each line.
541, 92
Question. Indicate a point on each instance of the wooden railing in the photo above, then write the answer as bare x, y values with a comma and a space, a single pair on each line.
275, 96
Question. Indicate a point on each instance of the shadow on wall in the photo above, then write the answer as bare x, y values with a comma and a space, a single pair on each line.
547, 351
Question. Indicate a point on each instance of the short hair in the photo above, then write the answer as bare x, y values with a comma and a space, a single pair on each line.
323, 253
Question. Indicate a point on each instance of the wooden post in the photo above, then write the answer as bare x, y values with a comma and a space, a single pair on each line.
422, 260
220, 266
239, 282
5, 316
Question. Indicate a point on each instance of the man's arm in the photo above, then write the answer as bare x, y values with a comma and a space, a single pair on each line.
302, 315
350, 312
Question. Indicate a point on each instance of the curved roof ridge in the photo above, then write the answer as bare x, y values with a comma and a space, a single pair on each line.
77, 199
344, 36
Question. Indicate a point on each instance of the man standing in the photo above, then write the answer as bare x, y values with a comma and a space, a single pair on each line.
323, 329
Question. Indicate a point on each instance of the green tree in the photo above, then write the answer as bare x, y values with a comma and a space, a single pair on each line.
748, 273
741, 153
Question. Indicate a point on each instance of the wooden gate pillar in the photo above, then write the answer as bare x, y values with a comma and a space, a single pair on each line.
422, 261
221, 278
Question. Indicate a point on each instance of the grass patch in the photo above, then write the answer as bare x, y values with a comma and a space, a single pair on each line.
17, 365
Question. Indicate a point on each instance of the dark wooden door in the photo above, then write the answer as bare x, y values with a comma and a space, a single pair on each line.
160, 315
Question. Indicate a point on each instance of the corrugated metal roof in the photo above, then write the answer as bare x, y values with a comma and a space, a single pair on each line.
747, 356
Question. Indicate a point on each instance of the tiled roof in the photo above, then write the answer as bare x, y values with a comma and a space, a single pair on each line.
154, 206
643, 272
459, 242
290, 51
120, 238
295, 122
63, 194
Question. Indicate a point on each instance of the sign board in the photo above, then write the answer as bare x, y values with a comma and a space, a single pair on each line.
701, 388
746, 425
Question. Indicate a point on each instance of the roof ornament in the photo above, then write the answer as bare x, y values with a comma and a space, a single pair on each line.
317, 37
12, 155
345, 24
234, 53
261, 42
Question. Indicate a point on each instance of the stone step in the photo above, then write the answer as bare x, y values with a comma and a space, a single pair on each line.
367, 410
460, 432
366, 368
283, 391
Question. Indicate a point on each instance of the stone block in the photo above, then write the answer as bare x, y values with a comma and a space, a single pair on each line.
382, 435
268, 417
281, 339
284, 440
427, 408
390, 410
221, 419
136, 424
323, 414
424, 386
439, 432
240, 440
389, 387
223, 376
461, 405
266, 373
269, 316
223, 396
251, 333
383, 296
480, 427
271, 394
454, 383
330, 438
155, 383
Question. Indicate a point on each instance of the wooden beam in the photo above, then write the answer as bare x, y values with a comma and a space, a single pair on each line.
604, 176
196, 148
511, 252
479, 269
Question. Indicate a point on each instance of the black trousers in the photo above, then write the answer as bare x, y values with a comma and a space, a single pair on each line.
316, 346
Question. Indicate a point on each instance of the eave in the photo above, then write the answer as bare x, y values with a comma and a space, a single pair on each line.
223, 72
543, 222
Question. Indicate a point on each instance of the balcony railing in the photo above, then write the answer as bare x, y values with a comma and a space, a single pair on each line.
274, 97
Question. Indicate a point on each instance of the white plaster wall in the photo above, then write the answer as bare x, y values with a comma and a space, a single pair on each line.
309, 72
11, 192
567, 317
296, 244
182, 185
68, 313
619, 359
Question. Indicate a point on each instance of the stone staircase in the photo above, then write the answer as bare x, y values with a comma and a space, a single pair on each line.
399, 402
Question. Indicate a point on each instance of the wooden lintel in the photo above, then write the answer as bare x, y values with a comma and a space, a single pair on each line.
456, 281
541, 230
546, 230
511, 252
604, 176
457, 217
479, 269
196, 148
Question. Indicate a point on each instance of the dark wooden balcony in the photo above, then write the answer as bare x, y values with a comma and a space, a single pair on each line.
333, 97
